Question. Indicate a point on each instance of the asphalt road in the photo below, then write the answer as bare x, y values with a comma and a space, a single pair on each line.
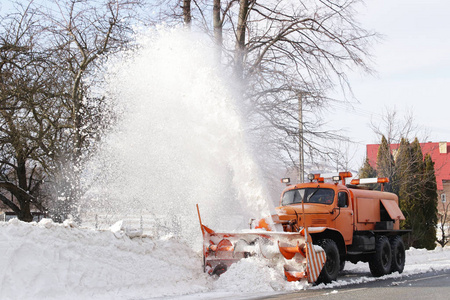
430, 285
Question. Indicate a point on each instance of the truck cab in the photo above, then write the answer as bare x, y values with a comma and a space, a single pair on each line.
318, 206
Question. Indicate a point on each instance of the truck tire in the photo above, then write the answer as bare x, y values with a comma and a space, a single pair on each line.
380, 262
398, 254
331, 268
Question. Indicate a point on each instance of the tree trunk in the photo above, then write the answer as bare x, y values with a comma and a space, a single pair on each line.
24, 202
217, 23
240, 39
187, 13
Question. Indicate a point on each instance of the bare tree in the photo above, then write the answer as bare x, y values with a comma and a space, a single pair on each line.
50, 120
279, 49
342, 155
443, 226
25, 103
81, 34
394, 127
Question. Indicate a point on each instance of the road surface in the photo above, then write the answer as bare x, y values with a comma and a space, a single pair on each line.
430, 285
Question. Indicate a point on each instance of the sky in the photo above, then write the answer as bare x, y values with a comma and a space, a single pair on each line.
412, 65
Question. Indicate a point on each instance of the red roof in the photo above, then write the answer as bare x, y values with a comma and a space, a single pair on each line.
441, 160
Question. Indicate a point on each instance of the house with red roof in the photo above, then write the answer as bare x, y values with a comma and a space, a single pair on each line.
440, 154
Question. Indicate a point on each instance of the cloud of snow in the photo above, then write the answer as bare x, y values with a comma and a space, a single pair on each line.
180, 141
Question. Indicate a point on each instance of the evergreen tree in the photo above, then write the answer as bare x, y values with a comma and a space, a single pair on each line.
415, 188
429, 204
385, 164
417, 165
412, 178
402, 184
417, 194
367, 171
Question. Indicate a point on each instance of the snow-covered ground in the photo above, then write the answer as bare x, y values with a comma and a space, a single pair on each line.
46, 260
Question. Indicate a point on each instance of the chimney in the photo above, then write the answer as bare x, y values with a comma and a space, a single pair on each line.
443, 147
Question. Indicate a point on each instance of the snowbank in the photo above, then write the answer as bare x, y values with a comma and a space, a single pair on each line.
46, 260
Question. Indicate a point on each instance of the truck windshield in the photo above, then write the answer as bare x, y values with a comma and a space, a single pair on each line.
311, 195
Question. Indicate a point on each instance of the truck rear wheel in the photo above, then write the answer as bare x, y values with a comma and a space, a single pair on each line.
331, 268
380, 262
398, 254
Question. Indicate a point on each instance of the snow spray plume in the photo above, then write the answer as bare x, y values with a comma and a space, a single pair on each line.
180, 141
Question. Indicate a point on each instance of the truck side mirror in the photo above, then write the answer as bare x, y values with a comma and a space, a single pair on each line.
342, 199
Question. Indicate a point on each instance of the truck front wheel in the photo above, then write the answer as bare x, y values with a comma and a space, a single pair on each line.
398, 254
380, 262
332, 265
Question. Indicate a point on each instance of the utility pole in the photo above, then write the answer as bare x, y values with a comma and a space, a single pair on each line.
301, 165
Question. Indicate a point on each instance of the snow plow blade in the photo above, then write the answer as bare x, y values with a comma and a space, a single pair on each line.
302, 259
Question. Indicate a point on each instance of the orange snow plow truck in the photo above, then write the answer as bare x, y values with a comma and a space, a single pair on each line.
318, 226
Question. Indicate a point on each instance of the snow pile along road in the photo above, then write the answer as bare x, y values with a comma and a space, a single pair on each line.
56, 261
46, 260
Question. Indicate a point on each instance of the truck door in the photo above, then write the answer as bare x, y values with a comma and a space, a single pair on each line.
344, 216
